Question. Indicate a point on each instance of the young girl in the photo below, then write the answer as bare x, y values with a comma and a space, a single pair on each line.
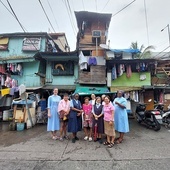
87, 123
98, 118
108, 109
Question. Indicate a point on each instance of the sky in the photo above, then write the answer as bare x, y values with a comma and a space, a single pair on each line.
142, 21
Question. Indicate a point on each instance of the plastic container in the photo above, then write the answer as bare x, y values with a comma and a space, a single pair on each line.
20, 126
5, 115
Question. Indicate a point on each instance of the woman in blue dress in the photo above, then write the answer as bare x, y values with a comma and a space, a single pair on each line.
74, 121
120, 116
53, 117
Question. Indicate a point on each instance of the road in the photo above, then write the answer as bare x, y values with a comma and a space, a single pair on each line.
33, 149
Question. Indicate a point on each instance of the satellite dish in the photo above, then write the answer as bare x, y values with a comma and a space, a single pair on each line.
104, 46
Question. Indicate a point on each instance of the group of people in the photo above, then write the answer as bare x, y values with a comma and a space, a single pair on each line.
97, 116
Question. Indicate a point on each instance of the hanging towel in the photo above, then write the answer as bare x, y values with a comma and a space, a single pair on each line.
128, 71
82, 61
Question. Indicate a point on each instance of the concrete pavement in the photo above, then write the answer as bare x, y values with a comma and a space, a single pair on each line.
33, 149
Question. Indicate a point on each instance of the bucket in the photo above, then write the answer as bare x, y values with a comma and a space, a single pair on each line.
5, 115
20, 126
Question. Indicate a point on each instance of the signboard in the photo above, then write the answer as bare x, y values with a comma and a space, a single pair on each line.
31, 44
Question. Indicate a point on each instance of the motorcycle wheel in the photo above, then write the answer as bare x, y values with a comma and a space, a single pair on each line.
157, 126
138, 119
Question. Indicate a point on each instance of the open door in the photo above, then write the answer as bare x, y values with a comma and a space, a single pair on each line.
149, 99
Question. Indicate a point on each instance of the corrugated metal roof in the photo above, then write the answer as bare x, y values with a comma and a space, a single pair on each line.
12, 59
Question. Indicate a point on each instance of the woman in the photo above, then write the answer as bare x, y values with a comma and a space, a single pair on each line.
121, 117
53, 118
64, 109
87, 119
74, 122
108, 109
98, 119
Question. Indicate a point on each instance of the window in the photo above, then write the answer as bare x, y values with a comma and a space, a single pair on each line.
61, 68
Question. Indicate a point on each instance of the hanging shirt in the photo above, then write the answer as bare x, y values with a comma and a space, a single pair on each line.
92, 61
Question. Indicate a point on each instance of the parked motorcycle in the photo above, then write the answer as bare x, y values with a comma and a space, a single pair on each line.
165, 115
148, 117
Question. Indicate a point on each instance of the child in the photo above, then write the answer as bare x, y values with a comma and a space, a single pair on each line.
87, 123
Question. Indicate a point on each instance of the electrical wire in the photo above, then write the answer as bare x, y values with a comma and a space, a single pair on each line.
68, 8
50, 22
46, 15
146, 19
105, 5
53, 14
96, 4
15, 16
123, 8
7, 9
83, 5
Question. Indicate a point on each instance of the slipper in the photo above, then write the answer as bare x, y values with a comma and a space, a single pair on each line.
106, 143
110, 145
119, 141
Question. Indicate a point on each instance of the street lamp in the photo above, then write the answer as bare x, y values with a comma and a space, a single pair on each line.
168, 32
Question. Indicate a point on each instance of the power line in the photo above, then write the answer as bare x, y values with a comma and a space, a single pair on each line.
83, 5
7, 9
146, 19
68, 8
105, 5
123, 8
15, 16
53, 14
96, 4
46, 15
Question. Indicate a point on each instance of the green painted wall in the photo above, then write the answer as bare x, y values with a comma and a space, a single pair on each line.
134, 80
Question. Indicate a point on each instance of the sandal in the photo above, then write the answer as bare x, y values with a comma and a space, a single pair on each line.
119, 141
106, 143
110, 145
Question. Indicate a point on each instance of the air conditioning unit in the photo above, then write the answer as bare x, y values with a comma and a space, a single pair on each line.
96, 33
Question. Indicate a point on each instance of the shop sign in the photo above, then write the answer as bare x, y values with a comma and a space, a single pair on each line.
31, 44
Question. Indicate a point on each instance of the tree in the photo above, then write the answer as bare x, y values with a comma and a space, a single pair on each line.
145, 52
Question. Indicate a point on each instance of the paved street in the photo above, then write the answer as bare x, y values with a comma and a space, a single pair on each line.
33, 149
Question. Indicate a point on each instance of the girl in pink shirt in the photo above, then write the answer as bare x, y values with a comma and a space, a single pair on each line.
108, 109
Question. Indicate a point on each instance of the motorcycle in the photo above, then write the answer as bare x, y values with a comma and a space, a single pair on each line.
148, 117
165, 115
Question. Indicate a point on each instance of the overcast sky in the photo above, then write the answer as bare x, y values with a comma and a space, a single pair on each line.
127, 26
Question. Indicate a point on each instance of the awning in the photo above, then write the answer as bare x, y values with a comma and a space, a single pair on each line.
34, 88
60, 87
124, 88
88, 90
130, 50
16, 59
